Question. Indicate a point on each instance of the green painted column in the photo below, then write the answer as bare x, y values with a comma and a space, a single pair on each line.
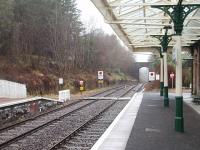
179, 120
161, 77
178, 13
161, 88
166, 98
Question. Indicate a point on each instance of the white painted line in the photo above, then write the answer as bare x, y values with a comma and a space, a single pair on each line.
152, 105
117, 134
152, 130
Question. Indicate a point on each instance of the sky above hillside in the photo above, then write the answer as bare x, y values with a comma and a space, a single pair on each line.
92, 18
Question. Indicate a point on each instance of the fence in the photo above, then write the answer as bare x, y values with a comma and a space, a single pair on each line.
10, 89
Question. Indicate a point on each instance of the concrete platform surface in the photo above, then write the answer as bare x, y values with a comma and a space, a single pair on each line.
144, 124
154, 127
116, 136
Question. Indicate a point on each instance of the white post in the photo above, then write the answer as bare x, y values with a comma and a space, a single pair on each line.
161, 69
161, 76
179, 120
166, 99
165, 70
179, 68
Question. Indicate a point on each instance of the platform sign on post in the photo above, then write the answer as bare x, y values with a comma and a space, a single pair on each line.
152, 76
100, 75
60, 81
172, 77
81, 83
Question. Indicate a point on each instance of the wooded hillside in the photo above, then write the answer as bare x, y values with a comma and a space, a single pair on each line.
42, 40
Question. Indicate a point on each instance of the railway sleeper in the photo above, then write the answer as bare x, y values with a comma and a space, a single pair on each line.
95, 130
77, 141
86, 138
74, 148
71, 143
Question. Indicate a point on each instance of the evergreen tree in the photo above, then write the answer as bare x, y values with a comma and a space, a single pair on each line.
6, 25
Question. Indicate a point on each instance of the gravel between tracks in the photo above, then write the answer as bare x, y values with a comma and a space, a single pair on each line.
31, 124
46, 137
87, 137
13, 132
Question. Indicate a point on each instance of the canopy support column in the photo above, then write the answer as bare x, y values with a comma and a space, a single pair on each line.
161, 76
178, 13
166, 98
179, 120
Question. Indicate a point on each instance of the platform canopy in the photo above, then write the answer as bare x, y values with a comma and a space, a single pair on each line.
135, 21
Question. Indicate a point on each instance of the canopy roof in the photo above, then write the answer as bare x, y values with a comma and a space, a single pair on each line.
135, 21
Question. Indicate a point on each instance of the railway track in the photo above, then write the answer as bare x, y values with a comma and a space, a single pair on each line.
88, 134
85, 137
49, 130
103, 93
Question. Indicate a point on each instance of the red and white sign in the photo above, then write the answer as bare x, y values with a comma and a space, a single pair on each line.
172, 75
100, 75
152, 76
81, 82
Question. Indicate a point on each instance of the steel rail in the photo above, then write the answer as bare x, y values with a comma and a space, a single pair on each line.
40, 115
4, 144
80, 127
68, 137
126, 92
115, 88
52, 111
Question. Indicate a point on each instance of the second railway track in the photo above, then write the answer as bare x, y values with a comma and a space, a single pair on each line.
103, 93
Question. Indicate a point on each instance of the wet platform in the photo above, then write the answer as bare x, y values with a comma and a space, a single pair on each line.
144, 124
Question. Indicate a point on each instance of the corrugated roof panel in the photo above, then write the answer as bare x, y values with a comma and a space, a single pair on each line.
134, 21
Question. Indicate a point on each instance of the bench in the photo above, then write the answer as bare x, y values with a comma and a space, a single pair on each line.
196, 99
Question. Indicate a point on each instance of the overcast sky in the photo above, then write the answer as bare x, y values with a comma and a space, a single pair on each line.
91, 16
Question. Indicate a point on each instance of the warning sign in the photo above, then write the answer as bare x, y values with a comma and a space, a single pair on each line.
81, 82
100, 75
172, 75
152, 76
